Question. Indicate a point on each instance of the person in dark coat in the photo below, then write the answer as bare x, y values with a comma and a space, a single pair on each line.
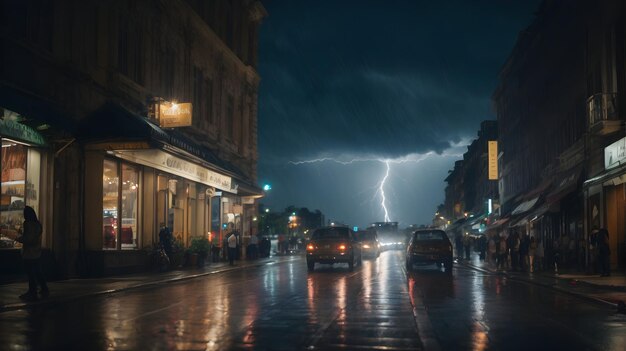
166, 240
31, 254
523, 252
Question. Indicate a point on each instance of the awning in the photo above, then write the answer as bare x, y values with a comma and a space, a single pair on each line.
497, 224
613, 176
118, 127
568, 181
539, 190
525, 206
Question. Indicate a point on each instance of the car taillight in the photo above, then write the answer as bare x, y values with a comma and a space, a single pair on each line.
342, 247
310, 247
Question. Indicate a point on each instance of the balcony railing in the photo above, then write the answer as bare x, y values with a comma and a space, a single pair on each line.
602, 107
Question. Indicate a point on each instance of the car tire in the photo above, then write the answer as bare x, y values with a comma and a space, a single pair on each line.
310, 265
360, 261
351, 265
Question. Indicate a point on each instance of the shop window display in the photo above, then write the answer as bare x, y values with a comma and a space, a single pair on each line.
110, 199
12, 190
120, 204
130, 191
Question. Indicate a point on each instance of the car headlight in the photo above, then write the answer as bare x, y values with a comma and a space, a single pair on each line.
366, 246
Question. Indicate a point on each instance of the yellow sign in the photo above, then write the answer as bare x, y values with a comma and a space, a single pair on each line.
493, 159
175, 115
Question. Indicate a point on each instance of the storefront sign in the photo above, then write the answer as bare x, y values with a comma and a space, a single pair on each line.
493, 159
175, 115
175, 165
13, 129
615, 154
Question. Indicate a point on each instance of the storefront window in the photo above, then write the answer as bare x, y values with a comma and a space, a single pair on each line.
118, 195
130, 191
12, 189
215, 215
110, 199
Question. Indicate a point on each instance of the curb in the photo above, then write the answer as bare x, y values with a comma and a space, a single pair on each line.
549, 286
41, 302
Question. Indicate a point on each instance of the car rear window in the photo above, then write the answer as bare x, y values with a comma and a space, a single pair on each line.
430, 235
331, 233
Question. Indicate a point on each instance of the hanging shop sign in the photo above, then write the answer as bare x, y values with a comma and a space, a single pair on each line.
493, 159
176, 165
172, 115
615, 154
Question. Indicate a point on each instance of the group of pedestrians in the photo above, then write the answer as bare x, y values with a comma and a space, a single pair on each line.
515, 252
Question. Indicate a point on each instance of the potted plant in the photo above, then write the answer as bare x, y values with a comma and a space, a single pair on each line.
201, 247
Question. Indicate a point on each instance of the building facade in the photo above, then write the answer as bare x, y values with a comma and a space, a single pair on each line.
557, 107
121, 117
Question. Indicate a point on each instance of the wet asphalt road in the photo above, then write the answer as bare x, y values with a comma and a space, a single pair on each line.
283, 307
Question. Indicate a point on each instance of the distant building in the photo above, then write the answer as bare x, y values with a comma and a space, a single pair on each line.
469, 191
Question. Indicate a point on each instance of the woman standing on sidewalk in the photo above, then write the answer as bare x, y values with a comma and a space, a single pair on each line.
31, 254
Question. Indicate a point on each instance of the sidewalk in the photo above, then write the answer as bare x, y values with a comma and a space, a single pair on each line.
605, 290
74, 289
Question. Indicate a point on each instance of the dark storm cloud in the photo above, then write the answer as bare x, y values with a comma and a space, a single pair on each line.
379, 77
364, 80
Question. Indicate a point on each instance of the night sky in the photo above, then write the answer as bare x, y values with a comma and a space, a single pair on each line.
347, 85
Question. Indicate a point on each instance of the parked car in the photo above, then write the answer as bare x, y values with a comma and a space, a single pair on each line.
429, 246
330, 245
370, 246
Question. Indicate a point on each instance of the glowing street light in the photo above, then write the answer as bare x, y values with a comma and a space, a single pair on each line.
267, 187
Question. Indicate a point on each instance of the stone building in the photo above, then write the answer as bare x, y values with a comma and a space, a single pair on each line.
119, 117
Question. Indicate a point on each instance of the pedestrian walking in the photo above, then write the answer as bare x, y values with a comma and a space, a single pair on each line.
524, 247
232, 248
513, 244
532, 251
31, 254
604, 252
481, 242
593, 251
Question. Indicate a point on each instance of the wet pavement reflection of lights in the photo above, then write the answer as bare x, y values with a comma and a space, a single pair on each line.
479, 330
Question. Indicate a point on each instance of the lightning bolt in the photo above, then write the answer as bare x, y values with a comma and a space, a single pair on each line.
413, 158
382, 191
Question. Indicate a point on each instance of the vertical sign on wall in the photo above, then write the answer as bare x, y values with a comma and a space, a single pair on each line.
493, 159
